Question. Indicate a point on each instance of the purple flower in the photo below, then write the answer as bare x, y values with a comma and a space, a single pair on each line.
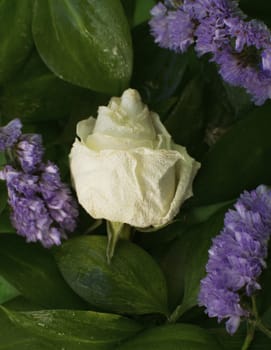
243, 56
172, 29
266, 60
236, 258
240, 48
242, 69
213, 32
10, 134
211, 35
42, 207
200, 9
159, 25
248, 33
180, 30
57, 195
29, 151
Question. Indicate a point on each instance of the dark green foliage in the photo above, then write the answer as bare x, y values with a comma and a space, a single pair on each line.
59, 61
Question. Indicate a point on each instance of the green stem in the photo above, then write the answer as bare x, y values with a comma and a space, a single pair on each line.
250, 335
263, 329
258, 322
251, 325
93, 226
177, 313
254, 308
115, 232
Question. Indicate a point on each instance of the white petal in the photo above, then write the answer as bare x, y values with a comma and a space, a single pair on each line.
141, 187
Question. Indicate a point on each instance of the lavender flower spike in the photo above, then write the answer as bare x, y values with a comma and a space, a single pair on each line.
57, 195
10, 134
29, 151
42, 208
171, 27
236, 258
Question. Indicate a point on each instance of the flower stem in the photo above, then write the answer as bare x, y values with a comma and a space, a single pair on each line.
249, 336
177, 313
258, 322
254, 308
251, 325
115, 232
263, 329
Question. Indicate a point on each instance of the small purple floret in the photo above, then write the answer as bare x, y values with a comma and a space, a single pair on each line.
240, 47
172, 29
10, 134
57, 195
237, 258
29, 152
42, 206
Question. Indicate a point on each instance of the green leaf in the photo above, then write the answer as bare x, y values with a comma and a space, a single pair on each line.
224, 104
184, 263
86, 42
239, 160
186, 121
173, 337
15, 35
20, 303
235, 342
33, 272
129, 9
142, 11
5, 224
131, 284
157, 72
7, 291
63, 329
36, 94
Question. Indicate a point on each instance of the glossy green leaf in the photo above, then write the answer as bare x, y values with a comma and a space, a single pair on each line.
224, 104
33, 272
129, 9
184, 263
186, 121
63, 329
173, 337
142, 11
36, 94
86, 42
20, 303
239, 160
131, 284
157, 72
15, 35
7, 291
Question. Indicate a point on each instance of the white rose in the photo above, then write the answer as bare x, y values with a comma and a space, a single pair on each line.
126, 168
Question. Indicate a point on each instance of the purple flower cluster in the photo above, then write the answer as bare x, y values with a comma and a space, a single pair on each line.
29, 152
236, 258
240, 47
42, 206
10, 134
172, 28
